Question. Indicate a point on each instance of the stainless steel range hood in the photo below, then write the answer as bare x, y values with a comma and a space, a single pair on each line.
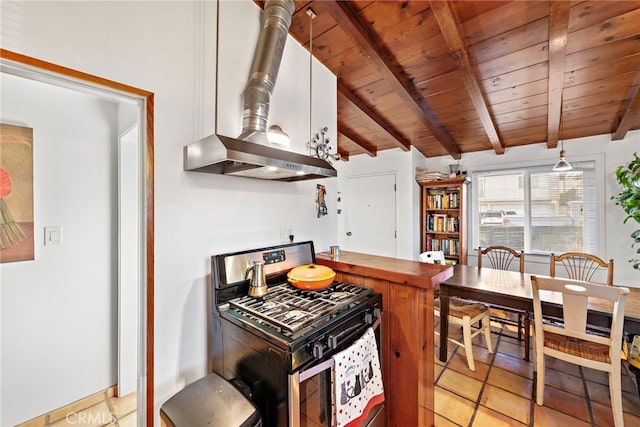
250, 155
229, 156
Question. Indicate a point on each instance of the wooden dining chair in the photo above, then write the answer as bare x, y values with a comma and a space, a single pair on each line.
581, 266
568, 338
501, 258
473, 317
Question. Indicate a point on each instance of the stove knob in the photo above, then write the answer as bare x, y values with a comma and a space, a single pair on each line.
318, 350
377, 312
332, 342
368, 318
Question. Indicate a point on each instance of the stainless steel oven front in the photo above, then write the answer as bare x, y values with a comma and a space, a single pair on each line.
310, 393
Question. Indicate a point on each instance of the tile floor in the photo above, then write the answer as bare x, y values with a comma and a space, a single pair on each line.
99, 409
501, 392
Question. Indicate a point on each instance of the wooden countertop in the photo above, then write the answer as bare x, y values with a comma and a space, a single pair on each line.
413, 273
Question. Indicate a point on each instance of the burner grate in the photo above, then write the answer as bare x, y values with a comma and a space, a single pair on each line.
291, 309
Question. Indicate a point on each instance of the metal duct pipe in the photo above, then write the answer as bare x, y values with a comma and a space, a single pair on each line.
264, 70
250, 155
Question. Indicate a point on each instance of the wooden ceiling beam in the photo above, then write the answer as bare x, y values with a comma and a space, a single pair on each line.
630, 116
343, 13
368, 148
452, 33
399, 140
558, 29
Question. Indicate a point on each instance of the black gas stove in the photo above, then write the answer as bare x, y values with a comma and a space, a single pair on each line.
271, 341
293, 311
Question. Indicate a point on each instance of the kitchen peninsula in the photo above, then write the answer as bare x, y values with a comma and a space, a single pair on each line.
407, 289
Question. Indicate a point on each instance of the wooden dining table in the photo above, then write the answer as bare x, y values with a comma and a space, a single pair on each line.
513, 290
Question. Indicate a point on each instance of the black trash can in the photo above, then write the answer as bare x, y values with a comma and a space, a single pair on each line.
210, 401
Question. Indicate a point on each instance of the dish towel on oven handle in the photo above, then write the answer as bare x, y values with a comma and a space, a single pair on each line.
356, 381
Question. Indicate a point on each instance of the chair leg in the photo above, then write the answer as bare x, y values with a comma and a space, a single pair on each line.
615, 389
520, 327
527, 337
487, 335
468, 346
539, 361
535, 357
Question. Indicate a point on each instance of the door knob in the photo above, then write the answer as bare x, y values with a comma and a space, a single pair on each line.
348, 233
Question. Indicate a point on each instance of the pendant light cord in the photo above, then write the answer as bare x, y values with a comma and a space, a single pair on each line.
561, 127
312, 15
217, 59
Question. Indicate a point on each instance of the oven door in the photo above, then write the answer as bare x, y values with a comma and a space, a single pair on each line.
311, 394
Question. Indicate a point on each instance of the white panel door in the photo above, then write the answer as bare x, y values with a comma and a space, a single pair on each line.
370, 214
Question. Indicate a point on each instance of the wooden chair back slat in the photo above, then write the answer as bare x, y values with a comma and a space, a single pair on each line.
501, 257
581, 266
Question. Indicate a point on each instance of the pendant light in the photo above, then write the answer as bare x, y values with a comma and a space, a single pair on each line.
562, 165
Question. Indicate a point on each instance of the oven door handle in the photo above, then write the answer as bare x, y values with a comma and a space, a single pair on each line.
334, 340
316, 369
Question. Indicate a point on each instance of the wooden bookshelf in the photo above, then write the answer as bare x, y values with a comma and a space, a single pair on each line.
443, 218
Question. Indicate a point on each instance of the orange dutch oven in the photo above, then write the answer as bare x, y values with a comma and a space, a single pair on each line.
311, 277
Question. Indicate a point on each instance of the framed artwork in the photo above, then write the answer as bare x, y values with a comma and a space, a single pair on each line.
16, 193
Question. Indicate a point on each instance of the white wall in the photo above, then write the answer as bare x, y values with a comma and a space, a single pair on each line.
617, 244
168, 48
58, 334
419, 161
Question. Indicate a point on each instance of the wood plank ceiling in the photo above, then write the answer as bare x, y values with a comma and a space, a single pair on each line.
452, 77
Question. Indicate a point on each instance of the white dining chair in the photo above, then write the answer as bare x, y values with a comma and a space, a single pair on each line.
463, 313
432, 257
568, 338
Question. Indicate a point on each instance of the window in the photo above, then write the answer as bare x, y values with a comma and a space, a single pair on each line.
537, 210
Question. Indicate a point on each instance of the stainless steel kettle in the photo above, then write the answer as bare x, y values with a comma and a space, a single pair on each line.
258, 283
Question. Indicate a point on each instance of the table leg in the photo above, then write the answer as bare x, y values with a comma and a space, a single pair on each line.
444, 322
527, 335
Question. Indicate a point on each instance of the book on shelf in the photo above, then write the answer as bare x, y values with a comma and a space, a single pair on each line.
450, 247
440, 200
443, 223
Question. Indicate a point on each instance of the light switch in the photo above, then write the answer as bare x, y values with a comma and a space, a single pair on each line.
53, 235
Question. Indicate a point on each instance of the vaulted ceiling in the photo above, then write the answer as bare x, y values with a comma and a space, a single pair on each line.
452, 77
